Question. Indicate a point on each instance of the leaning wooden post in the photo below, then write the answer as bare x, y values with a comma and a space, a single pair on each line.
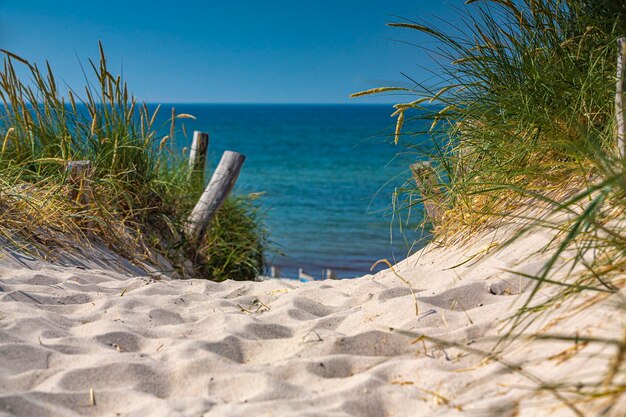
197, 155
221, 184
78, 175
619, 96
426, 180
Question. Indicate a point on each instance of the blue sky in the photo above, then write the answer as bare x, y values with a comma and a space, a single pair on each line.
237, 51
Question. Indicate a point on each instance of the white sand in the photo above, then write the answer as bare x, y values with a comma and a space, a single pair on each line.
282, 348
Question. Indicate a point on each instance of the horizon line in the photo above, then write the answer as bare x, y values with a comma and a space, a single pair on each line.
268, 103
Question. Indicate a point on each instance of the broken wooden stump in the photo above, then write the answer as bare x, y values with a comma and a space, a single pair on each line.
427, 182
78, 175
329, 274
275, 272
464, 163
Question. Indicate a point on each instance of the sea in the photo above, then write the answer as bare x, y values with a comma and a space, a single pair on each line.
327, 175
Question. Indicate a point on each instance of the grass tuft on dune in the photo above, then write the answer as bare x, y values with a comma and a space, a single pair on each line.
522, 121
136, 197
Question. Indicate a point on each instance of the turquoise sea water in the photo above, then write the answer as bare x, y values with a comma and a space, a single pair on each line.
327, 173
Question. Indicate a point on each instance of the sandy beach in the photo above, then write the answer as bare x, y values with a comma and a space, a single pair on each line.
155, 162
80, 340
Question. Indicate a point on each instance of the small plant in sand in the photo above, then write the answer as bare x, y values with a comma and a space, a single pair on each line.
138, 192
522, 121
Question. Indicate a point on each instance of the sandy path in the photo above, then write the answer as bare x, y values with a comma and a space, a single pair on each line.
148, 347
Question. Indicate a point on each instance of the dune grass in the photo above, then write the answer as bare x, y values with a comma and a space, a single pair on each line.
139, 195
522, 120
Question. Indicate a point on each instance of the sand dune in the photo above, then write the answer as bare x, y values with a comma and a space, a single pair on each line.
83, 341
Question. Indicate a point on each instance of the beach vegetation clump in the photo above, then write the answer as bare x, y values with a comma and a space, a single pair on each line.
522, 117
523, 99
234, 247
134, 196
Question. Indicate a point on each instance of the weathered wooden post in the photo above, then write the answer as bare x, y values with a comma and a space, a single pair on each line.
78, 177
463, 163
221, 184
426, 180
274, 272
197, 156
619, 96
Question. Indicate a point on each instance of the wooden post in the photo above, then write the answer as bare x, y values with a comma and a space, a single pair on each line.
330, 274
426, 180
78, 176
274, 272
197, 155
221, 184
463, 163
619, 96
